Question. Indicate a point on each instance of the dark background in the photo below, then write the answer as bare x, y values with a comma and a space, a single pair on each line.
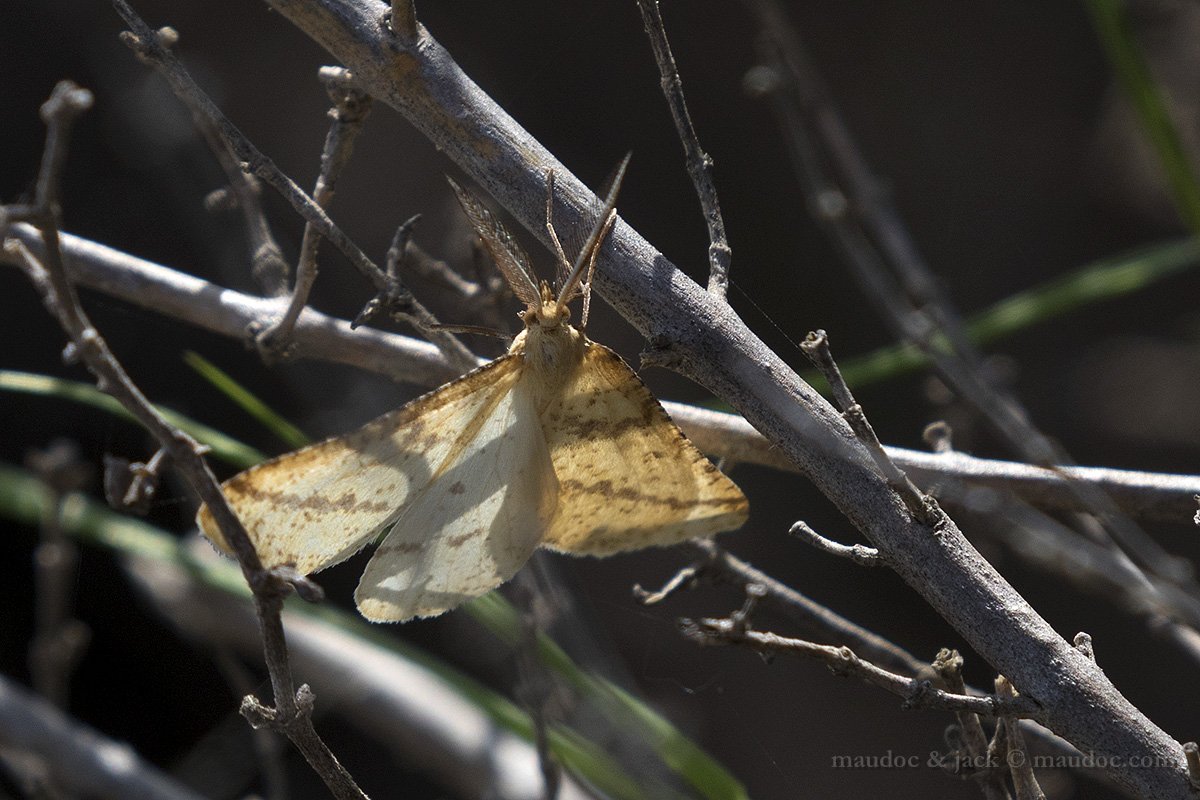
993, 125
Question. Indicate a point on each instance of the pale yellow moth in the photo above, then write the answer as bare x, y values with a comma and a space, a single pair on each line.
556, 444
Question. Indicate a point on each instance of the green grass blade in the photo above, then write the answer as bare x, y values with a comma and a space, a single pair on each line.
1096, 282
1112, 26
292, 436
226, 448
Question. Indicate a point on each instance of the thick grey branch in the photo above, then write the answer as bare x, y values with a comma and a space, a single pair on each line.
715, 348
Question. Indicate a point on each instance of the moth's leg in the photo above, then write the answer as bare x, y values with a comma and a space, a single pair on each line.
564, 266
586, 289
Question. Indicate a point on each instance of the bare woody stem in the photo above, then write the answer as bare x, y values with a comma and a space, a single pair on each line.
716, 349
842, 660
50, 277
699, 164
1147, 495
816, 347
349, 112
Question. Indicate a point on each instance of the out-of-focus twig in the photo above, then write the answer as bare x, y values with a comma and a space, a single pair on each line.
884, 259
79, 759
59, 638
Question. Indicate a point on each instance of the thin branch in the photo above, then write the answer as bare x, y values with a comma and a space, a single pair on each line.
52, 281
1024, 782
684, 578
535, 686
149, 46
719, 351
806, 611
720, 566
1152, 496
421, 718
267, 265
350, 110
816, 347
1083, 562
885, 261
59, 639
858, 553
948, 665
865, 197
699, 163
843, 661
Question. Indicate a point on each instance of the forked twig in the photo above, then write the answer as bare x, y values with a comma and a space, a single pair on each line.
350, 110
50, 277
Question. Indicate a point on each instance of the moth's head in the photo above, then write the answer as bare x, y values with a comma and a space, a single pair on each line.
549, 312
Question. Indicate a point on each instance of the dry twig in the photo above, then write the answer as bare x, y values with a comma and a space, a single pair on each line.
350, 110
843, 661
715, 348
816, 347
52, 280
59, 638
390, 294
699, 163
858, 553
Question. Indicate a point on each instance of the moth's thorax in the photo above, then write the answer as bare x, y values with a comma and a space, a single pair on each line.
552, 353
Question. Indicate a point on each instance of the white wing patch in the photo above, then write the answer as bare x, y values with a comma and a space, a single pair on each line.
473, 526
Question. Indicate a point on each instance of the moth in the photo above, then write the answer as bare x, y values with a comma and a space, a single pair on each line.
556, 444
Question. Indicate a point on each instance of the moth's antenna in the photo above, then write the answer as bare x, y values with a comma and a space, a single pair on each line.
564, 264
587, 256
587, 285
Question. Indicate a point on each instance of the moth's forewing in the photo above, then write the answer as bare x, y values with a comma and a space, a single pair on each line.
628, 478
319, 505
